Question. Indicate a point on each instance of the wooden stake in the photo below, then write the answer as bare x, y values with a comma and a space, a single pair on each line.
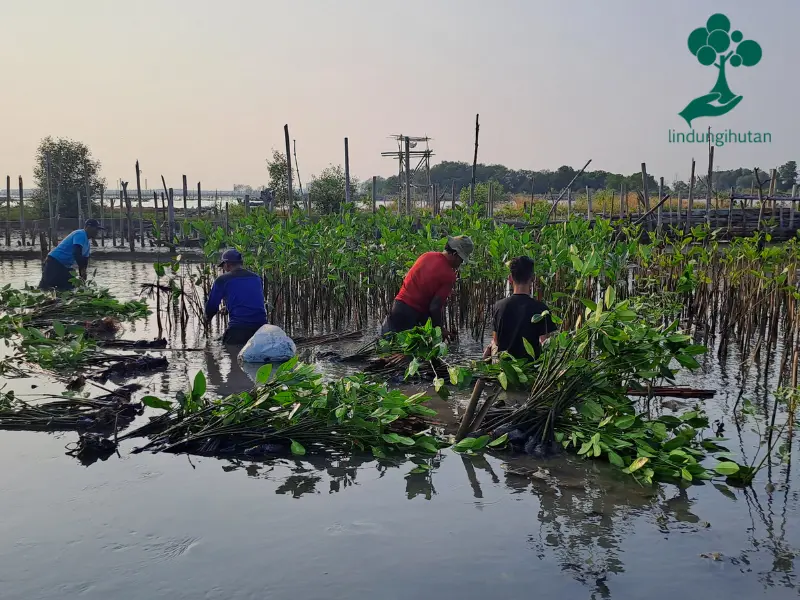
50, 208
466, 420
139, 199
8, 210
588, 204
185, 208
247, 204
199, 201
113, 223
792, 207
474, 162
170, 216
659, 221
102, 219
374, 194
21, 212
346, 171
645, 191
709, 178
408, 176
690, 206
129, 214
290, 198
80, 209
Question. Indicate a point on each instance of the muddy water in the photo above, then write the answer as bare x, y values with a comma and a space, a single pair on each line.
161, 526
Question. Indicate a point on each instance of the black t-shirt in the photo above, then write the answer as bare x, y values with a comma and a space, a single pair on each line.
513, 322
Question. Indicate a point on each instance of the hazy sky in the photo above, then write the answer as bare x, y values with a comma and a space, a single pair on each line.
204, 87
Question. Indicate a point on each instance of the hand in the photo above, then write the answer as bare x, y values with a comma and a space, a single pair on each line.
708, 106
83, 275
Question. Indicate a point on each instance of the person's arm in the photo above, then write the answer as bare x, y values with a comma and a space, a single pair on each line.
214, 298
80, 259
490, 348
436, 308
548, 328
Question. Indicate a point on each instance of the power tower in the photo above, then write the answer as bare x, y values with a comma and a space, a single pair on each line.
412, 158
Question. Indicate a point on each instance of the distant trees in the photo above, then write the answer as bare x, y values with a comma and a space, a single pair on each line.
327, 190
71, 169
278, 171
787, 176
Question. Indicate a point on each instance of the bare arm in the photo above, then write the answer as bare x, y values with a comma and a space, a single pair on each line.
490, 348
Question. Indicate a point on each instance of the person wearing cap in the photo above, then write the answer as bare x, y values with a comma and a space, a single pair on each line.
427, 286
243, 293
74, 249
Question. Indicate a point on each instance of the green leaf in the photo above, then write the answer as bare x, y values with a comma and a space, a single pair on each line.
529, 348
637, 464
679, 338
263, 374
687, 361
725, 491
199, 387
727, 468
610, 296
153, 402
589, 304
438, 382
297, 448
615, 459
453, 372
503, 379
58, 328
592, 410
501, 441
413, 368
393, 438
625, 422
377, 452
695, 349
685, 475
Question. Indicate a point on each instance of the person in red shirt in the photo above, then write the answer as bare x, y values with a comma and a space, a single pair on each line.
427, 286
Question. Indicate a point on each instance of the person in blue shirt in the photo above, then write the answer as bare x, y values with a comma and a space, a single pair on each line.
243, 293
74, 249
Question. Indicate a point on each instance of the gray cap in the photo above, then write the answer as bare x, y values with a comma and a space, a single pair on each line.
462, 245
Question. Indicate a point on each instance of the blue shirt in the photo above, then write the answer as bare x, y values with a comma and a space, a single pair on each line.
243, 293
63, 252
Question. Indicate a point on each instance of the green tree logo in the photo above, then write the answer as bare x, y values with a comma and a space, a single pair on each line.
715, 45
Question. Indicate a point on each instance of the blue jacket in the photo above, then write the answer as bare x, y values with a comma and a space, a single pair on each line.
243, 293
65, 251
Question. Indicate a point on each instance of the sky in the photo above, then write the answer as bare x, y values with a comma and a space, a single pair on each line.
204, 88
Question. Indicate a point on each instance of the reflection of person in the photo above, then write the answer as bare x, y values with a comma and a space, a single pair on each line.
427, 286
73, 249
243, 294
513, 317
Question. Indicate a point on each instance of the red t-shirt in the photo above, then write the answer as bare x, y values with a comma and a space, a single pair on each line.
431, 276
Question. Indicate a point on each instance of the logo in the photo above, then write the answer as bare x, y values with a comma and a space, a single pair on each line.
716, 46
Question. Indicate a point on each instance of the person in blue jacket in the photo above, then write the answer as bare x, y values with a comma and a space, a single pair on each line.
243, 293
74, 249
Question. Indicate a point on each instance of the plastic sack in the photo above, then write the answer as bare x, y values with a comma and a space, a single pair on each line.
268, 344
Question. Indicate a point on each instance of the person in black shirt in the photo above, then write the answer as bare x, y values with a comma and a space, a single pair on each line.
513, 316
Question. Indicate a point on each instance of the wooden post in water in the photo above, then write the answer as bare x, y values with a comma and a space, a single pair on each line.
8, 210
113, 223
50, 209
408, 175
659, 222
199, 201
170, 216
474, 161
588, 204
185, 208
139, 199
346, 171
792, 207
374, 194
709, 178
690, 206
163, 209
102, 219
290, 197
129, 214
21, 212
646, 194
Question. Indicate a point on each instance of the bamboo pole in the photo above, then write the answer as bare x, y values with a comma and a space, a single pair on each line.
290, 198
199, 201
792, 207
50, 209
170, 215
8, 210
588, 204
690, 206
113, 223
21, 211
139, 199
408, 175
659, 221
622, 201
185, 208
466, 420
300, 181
227, 220
709, 178
374, 194
569, 203
474, 162
346, 171
129, 215
645, 191
102, 218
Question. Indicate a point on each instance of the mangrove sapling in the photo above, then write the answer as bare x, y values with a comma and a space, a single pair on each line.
290, 410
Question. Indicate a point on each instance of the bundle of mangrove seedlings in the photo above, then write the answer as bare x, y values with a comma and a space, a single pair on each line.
578, 398
290, 410
102, 415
